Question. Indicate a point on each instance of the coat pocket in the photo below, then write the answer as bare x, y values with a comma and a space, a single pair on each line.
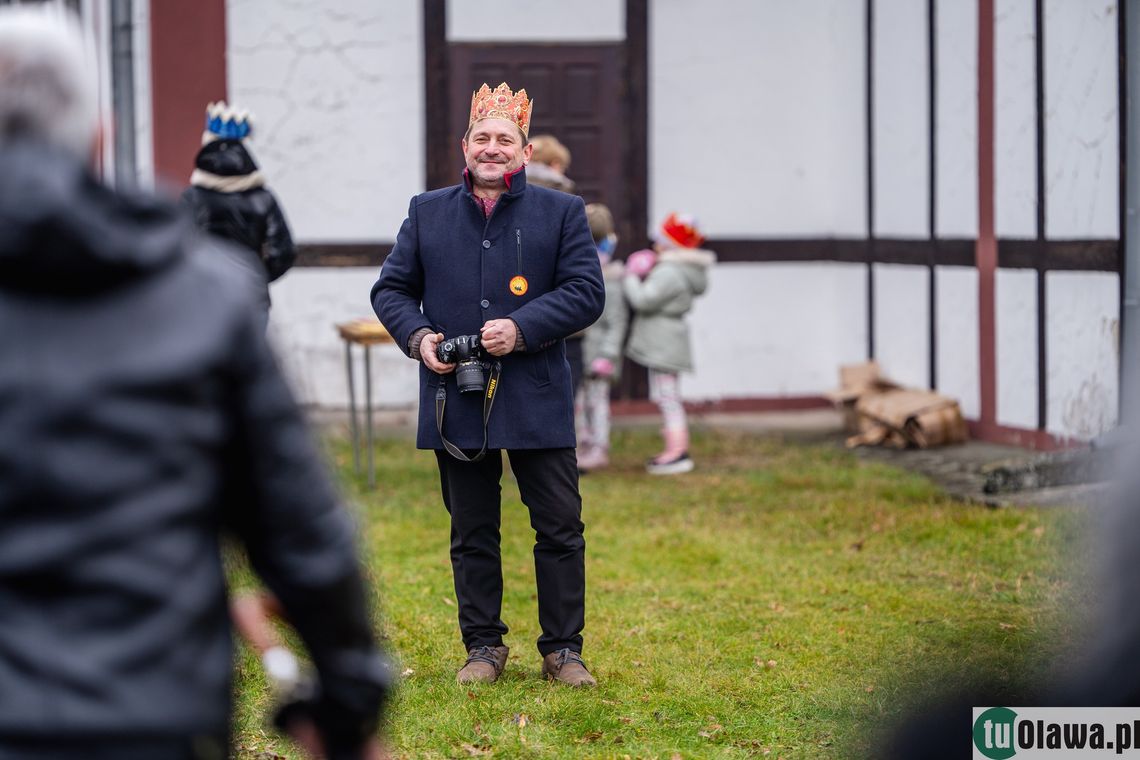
541, 367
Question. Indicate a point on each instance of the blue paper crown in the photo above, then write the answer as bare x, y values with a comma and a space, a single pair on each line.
226, 122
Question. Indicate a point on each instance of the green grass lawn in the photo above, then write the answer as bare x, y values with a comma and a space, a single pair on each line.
783, 600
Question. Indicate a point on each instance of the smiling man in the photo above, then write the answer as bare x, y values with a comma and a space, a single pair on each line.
516, 266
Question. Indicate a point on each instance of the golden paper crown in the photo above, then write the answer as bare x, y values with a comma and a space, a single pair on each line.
501, 104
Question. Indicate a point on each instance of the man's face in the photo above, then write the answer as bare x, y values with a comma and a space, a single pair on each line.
494, 147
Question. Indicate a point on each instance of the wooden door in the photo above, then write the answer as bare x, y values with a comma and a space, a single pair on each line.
577, 94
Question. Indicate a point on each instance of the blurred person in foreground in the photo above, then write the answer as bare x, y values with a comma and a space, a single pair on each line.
141, 417
602, 348
513, 265
230, 199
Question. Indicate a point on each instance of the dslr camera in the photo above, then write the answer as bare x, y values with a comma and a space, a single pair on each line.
467, 352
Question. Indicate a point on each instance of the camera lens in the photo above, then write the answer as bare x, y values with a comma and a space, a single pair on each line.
469, 377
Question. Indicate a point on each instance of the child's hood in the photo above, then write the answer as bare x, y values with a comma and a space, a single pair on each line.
694, 264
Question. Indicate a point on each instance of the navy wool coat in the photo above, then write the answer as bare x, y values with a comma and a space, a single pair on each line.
451, 270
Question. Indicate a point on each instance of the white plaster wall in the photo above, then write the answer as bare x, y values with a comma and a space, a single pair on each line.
1082, 352
1081, 145
902, 323
956, 119
956, 291
144, 131
337, 94
1015, 309
1015, 119
901, 119
536, 21
757, 116
96, 22
776, 329
307, 304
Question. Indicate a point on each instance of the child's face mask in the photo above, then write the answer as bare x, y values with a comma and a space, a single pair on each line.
606, 247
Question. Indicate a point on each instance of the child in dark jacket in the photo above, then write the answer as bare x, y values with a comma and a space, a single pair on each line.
228, 196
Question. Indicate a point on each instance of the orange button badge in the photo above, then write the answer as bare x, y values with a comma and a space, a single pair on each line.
518, 285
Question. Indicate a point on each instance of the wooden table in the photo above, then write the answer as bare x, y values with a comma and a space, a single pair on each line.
366, 333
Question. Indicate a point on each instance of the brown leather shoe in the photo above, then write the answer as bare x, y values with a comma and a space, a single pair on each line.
566, 666
484, 665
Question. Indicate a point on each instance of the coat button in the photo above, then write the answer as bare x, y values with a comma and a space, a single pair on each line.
484, 303
486, 243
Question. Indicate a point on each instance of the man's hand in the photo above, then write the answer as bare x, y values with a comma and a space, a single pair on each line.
499, 336
427, 353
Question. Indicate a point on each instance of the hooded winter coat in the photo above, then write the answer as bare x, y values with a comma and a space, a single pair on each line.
228, 195
604, 338
659, 337
141, 415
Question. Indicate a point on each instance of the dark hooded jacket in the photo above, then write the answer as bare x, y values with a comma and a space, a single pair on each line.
230, 200
142, 415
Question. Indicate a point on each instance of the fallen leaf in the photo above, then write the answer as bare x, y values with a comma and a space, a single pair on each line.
520, 720
676, 756
448, 602
408, 672
770, 664
591, 736
625, 720
1007, 626
474, 751
869, 689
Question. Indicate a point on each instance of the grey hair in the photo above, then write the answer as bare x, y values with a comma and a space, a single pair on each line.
48, 89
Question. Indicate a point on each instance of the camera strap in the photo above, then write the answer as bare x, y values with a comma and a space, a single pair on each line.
488, 401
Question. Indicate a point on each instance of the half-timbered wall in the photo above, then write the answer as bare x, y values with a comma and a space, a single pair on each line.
830, 149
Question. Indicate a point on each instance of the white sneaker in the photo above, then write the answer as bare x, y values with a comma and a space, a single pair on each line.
593, 458
675, 466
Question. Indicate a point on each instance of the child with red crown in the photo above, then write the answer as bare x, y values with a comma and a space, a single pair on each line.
660, 286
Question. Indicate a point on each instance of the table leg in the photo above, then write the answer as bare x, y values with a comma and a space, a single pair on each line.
368, 410
352, 407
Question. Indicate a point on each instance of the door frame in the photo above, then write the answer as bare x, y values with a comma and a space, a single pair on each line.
441, 146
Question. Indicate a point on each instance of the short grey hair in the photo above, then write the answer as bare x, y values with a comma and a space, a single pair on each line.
48, 86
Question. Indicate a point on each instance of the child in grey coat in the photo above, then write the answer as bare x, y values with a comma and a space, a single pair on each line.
660, 286
601, 349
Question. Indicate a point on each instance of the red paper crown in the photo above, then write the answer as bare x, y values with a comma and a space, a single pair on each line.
501, 103
682, 230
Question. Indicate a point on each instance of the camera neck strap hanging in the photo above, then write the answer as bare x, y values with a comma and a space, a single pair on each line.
488, 401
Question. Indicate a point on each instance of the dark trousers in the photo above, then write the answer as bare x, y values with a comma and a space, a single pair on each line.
548, 485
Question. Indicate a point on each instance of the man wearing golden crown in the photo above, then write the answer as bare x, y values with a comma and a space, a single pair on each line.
497, 274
